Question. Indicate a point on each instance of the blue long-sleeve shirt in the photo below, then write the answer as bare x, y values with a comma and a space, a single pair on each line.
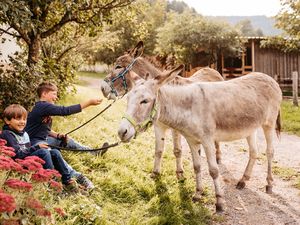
39, 121
19, 141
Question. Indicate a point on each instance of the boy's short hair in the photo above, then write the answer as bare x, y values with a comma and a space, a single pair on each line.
45, 87
14, 111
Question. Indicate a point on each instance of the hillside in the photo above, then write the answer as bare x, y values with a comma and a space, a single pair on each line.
266, 24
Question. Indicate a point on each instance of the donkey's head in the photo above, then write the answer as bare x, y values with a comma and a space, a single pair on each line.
117, 83
141, 104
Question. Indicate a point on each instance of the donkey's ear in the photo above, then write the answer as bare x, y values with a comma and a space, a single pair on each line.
147, 77
169, 75
135, 78
138, 50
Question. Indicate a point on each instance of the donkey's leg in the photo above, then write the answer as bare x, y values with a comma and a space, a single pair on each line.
218, 152
197, 168
160, 133
213, 168
252, 158
268, 131
177, 149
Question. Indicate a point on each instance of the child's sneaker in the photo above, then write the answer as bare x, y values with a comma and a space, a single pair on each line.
85, 182
71, 186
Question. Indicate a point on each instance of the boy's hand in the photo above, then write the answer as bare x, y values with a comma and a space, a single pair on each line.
43, 146
93, 101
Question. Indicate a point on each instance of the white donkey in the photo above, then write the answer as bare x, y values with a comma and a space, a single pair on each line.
205, 112
123, 78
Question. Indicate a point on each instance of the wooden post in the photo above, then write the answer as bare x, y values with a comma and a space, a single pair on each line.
276, 78
295, 88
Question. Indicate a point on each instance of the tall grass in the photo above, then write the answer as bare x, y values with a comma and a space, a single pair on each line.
290, 117
125, 192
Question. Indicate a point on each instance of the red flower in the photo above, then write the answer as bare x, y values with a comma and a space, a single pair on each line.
11, 222
7, 163
8, 148
60, 211
7, 152
38, 207
7, 203
54, 173
55, 185
35, 158
18, 184
30, 164
2, 142
43, 175
34, 204
43, 212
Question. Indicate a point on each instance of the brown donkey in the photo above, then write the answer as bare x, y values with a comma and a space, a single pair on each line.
205, 112
112, 86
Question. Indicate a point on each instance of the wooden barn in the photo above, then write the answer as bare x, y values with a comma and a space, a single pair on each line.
273, 62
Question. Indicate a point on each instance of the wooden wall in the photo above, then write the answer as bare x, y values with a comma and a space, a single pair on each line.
275, 63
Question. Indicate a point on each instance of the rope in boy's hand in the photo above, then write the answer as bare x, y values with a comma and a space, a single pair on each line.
64, 139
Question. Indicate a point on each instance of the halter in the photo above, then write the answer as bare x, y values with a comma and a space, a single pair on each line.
120, 75
143, 125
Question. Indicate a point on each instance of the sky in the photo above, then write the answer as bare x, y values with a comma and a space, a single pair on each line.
235, 7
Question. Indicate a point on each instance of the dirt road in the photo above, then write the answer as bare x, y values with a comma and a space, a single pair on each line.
252, 205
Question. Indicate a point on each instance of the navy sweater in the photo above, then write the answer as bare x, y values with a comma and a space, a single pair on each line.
39, 121
19, 141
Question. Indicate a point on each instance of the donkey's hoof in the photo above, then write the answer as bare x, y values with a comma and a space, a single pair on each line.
241, 185
220, 207
180, 176
197, 196
155, 175
105, 144
269, 189
219, 161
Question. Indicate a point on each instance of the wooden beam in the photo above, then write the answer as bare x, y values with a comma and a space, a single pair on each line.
253, 54
295, 88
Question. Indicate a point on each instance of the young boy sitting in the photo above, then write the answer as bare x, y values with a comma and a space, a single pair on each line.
40, 122
15, 117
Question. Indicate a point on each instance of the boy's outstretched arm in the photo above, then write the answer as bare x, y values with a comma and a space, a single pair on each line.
90, 102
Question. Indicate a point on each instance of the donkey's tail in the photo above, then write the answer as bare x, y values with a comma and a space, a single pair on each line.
278, 125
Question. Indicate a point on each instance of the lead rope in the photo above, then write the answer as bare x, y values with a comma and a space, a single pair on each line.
103, 148
102, 111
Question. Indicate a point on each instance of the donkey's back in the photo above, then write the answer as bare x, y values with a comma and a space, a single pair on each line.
227, 110
236, 107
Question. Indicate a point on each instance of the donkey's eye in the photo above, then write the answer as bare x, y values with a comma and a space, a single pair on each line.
118, 67
144, 101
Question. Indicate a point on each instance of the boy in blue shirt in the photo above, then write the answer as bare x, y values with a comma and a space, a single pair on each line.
15, 117
40, 122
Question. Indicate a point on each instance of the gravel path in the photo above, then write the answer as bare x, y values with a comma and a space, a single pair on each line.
253, 205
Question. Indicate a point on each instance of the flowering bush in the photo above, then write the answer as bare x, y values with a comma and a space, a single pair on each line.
27, 190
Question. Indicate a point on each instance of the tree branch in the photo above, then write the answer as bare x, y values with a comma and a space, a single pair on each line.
65, 52
11, 34
70, 16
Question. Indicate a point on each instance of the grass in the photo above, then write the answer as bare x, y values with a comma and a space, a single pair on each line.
290, 117
125, 192
288, 174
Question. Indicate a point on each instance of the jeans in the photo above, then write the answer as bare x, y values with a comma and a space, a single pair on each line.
45, 155
71, 144
54, 160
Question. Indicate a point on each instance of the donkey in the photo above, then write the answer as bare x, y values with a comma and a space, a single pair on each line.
122, 79
205, 112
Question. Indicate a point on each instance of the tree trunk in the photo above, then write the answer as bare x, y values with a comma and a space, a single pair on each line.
34, 50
